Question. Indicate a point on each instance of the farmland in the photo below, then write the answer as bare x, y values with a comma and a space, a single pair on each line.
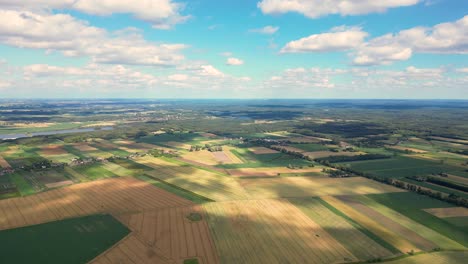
176, 182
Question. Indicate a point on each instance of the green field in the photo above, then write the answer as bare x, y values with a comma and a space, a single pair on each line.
252, 160
23, 186
94, 171
70, 241
412, 205
400, 167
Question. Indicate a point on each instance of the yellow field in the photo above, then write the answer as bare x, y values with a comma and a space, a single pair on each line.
169, 232
350, 237
208, 184
212, 158
176, 144
270, 171
84, 147
4, 163
436, 238
447, 257
270, 231
403, 148
448, 212
388, 235
132, 250
312, 186
117, 195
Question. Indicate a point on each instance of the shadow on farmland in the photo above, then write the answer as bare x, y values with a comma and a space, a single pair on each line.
275, 231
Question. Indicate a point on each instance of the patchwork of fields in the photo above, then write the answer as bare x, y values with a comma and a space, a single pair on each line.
245, 204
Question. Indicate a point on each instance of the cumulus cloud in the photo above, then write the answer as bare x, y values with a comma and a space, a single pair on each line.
339, 39
162, 14
267, 30
444, 38
234, 61
73, 37
318, 8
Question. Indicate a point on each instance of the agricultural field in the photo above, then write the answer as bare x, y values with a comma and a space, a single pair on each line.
208, 184
402, 166
173, 234
278, 231
196, 183
349, 235
415, 210
312, 187
76, 240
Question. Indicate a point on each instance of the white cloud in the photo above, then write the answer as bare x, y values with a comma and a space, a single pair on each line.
444, 38
462, 70
162, 14
72, 37
318, 8
339, 39
267, 30
234, 61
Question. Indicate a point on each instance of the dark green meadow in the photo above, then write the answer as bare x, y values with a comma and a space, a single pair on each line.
71, 241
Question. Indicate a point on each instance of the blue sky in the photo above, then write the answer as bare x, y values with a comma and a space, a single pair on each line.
234, 49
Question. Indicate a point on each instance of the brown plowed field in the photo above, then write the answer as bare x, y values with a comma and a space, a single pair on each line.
117, 195
4, 163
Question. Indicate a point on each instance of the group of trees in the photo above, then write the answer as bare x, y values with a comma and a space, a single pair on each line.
335, 159
208, 147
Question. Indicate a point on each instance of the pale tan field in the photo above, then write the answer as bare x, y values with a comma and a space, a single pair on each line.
84, 147
52, 150
4, 163
212, 158
394, 226
323, 154
451, 140
447, 257
375, 227
440, 240
311, 186
349, 236
58, 184
32, 125
170, 232
176, 144
458, 179
403, 148
308, 139
292, 149
208, 135
270, 171
448, 212
205, 183
270, 231
132, 249
116, 195
262, 150
101, 124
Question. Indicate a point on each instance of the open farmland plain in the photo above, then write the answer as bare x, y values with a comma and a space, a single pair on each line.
184, 183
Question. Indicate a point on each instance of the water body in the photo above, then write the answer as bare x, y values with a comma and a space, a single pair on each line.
53, 132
